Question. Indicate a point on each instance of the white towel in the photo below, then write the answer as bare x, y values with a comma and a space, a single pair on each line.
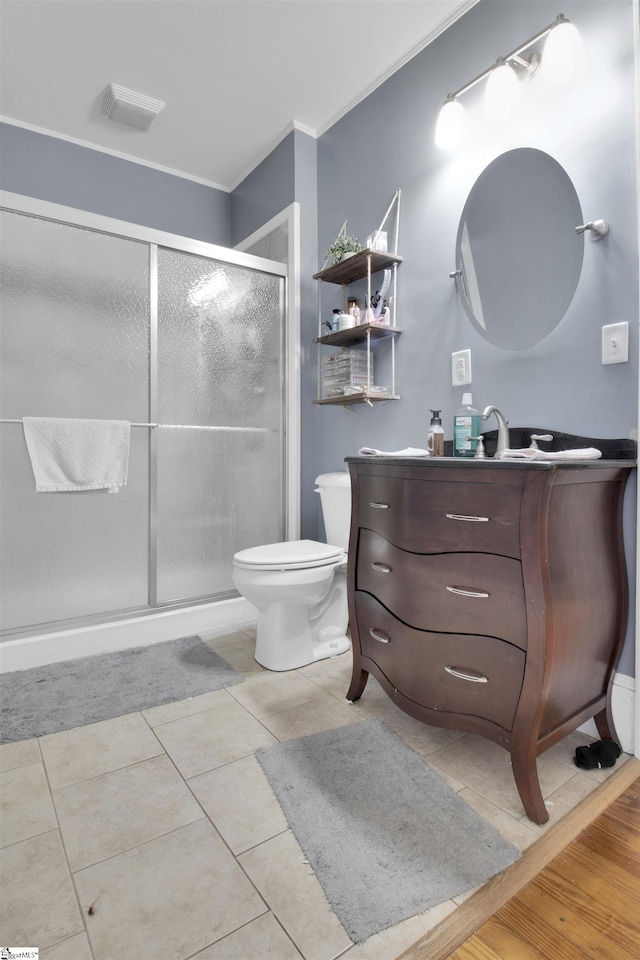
586, 453
407, 452
69, 455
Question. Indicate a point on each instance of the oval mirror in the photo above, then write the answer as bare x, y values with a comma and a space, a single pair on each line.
518, 257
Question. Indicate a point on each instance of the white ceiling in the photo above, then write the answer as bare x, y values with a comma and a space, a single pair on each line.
235, 74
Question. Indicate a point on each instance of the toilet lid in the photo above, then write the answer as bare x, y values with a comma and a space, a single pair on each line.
292, 553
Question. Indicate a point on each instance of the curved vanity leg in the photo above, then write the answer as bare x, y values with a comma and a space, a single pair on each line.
605, 725
525, 772
358, 683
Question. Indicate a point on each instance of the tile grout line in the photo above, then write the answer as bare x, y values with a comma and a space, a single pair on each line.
158, 837
268, 907
85, 928
218, 834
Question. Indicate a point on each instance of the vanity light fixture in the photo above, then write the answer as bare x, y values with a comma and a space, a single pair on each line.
503, 78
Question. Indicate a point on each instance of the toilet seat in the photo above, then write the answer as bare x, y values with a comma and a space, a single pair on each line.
290, 555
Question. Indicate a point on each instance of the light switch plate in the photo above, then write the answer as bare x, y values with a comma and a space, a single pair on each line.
460, 368
615, 343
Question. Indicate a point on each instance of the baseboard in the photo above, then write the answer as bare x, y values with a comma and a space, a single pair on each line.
622, 705
36, 651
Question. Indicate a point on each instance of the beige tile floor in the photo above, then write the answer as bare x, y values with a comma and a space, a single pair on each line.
164, 826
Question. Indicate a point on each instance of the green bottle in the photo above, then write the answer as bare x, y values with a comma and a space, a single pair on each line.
466, 425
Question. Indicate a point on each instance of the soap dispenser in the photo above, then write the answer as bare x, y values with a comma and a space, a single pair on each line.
466, 428
435, 437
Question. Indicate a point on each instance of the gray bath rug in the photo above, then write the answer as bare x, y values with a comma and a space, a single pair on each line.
60, 696
386, 836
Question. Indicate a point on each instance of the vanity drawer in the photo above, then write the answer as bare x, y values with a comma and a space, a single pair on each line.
432, 516
469, 675
475, 593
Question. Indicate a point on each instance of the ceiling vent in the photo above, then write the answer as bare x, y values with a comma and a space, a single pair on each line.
131, 108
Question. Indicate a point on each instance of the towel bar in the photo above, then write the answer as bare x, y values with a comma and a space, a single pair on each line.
10, 420
178, 426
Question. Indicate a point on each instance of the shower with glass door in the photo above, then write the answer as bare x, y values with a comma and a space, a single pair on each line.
188, 343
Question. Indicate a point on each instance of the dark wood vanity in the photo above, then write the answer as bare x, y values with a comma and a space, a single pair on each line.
490, 597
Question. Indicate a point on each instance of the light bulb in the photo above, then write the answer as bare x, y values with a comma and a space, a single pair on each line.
451, 128
563, 54
502, 92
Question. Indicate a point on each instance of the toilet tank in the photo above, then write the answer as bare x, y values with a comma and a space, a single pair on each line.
335, 497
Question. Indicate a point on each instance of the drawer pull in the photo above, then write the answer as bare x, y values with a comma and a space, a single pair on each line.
381, 637
458, 516
378, 506
468, 593
381, 567
463, 675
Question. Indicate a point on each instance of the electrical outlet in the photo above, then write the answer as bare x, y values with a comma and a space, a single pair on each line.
460, 368
615, 343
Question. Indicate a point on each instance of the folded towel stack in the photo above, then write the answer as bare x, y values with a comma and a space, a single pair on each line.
72, 455
407, 452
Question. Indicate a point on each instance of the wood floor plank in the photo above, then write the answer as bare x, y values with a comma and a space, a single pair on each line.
475, 950
599, 877
626, 811
515, 935
600, 882
535, 930
621, 842
599, 932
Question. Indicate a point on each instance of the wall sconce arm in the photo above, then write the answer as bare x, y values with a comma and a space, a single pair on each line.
597, 228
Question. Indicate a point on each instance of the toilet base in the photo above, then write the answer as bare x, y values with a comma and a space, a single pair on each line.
320, 651
330, 648
287, 640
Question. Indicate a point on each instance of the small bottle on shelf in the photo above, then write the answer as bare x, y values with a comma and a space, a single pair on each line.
353, 308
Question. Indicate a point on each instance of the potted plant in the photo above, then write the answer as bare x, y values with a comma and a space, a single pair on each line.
342, 247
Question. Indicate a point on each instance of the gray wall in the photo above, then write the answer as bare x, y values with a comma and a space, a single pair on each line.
267, 190
36, 165
386, 142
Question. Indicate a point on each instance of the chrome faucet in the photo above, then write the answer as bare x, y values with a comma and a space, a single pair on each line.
503, 431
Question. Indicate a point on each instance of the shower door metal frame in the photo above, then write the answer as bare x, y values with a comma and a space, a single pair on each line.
289, 217
290, 440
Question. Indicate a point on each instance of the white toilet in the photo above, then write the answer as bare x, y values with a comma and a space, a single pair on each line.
300, 587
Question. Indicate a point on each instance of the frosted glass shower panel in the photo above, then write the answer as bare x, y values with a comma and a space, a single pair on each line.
220, 337
211, 503
75, 331
74, 340
220, 383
